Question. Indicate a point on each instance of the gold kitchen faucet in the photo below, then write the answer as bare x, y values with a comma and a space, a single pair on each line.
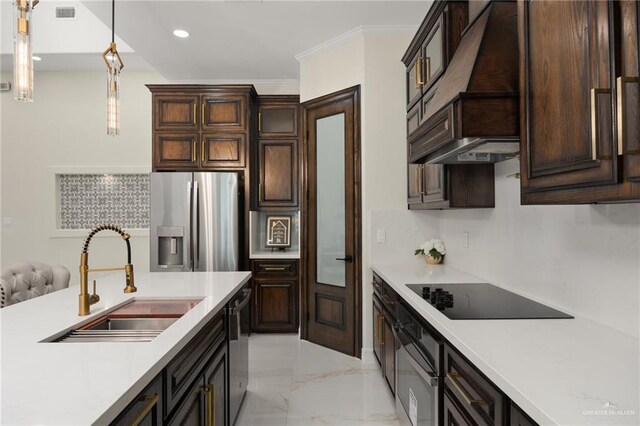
86, 300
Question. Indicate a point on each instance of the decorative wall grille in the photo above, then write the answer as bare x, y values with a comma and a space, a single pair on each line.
86, 200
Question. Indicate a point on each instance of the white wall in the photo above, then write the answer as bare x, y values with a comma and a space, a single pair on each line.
65, 126
371, 59
582, 259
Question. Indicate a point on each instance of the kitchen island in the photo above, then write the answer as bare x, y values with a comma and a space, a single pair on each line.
557, 371
92, 383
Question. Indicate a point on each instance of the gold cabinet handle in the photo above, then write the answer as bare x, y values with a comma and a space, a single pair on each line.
427, 63
202, 156
454, 377
259, 122
418, 66
421, 178
202, 113
260, 192
275, 268
194, 151
150, 402
621, 113
195, 113
380, 325
595, 128
210, 412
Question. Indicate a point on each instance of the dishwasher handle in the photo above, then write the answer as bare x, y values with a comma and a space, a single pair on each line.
246, 293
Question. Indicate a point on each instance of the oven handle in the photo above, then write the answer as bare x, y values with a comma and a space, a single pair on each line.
428, 376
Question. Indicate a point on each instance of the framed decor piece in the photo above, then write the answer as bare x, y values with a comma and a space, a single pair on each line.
278, 232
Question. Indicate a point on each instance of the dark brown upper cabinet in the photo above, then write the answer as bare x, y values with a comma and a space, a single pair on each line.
224, 112
176, 112
201, 127
579, 102
278, 168
432, 48
277, 160
278, 117
444, 186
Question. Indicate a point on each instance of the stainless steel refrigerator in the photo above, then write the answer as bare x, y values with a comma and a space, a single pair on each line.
194, 222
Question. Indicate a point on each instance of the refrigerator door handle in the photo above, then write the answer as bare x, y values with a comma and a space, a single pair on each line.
196, 238
190, 233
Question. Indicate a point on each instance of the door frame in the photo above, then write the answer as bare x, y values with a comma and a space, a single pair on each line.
351, 93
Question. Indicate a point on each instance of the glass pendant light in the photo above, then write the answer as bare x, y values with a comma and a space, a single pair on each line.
114, 66
22, 60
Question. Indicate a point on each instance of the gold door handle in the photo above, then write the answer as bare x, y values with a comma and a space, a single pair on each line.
150, 402
595, 128
621, 113
427, 62
194, 151
210, 411
418, 66
467, 398
380, 325
195, 113
275, 268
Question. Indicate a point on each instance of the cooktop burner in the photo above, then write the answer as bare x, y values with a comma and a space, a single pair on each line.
482, 301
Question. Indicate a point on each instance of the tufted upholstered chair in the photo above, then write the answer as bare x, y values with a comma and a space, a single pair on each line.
24, 280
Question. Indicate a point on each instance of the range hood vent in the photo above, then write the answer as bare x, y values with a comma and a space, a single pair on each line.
478, 95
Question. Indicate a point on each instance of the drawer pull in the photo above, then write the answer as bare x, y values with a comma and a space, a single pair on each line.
621, 113
467, 398
150, 402
275, 268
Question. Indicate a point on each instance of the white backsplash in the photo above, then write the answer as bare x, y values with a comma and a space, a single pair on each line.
585, 259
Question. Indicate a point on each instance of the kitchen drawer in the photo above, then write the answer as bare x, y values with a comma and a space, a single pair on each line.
146, 408
188, 364
480, 400
275, 268
436, 132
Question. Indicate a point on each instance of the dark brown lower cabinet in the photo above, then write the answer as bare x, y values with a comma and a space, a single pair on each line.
453, 416
275, 296
389, 352
384, 344
518, 417
146, 408
204, 402
377, 329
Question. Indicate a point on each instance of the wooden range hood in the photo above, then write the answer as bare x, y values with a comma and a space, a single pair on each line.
476, 103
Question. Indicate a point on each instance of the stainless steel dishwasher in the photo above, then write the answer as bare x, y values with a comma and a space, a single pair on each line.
239, 328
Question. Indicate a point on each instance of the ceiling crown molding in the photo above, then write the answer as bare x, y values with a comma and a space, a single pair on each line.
354, 34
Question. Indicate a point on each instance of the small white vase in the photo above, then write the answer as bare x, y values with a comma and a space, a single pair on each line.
432, 261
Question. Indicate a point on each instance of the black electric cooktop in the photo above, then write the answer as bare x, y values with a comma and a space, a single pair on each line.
482, 301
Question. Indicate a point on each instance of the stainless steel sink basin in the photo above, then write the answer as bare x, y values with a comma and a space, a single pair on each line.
141, 320
142, 324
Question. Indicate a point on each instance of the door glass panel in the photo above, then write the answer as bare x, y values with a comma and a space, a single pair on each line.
330, 200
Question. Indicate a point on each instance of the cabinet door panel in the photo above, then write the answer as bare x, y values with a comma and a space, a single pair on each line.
275, 305
434, 182
278, 173
175, 112
278, 121
414, 183
377, 330
223, 150
215, 377
175, 151
191, 410
569, 139
224, 112
434, 61
389, 353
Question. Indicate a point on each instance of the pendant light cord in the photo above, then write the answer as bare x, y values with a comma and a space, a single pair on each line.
113, 21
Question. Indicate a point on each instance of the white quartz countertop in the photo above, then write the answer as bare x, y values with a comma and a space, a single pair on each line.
91, 383
559, 371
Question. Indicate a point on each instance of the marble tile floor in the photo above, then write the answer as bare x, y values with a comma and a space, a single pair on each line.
293, 382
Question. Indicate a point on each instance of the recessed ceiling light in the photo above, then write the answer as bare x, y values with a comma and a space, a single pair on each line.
36, 58
181, 33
